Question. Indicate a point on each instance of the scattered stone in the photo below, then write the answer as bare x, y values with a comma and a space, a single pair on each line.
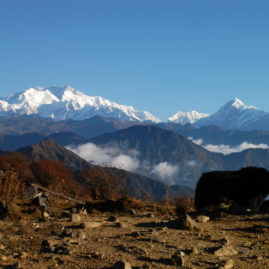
66, 214
4, 258
177, 259
61, 250
227, 265
59, 261
64, 232
132, 212
97, 255
247, 244
48, 246
84, 212
225, 251
91, 225
209, 237
149, 215
202, 219
194, 251
75, 218
135, 234
122, 265
112, 219
224, 241
37, 228
258, 258
24, 255
243, 250
186, 222
16, 255
41, 200
46, 215
223, 206
2, 247
119, 225
74, 210
45, 246
78, 234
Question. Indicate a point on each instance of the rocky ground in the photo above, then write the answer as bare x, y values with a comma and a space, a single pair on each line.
139, 240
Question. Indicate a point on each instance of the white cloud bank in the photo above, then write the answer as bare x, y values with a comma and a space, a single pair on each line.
227, 149
126, 159
108, 156
198, 141
165, 170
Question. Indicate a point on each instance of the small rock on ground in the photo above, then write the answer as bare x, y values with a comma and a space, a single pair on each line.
122, 265
225, 251
227, 265
75, 218
202, 219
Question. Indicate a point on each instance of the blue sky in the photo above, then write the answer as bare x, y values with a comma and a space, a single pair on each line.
157, 55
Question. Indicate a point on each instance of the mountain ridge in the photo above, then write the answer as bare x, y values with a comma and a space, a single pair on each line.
50, 150
67, 103
63, 103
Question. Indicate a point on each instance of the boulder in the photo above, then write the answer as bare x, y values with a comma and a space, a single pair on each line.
112, 219
225, 251
202, 219
186, 222
75, 218
122, 265
229, 264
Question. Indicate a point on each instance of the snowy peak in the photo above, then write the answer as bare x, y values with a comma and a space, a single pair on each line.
27, 102
236, 104
67, 103
34, 96
234, 115
187, 117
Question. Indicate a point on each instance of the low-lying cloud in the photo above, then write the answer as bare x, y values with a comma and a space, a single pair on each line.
226, 149
198, 141
127, 159
108, 156
165, 170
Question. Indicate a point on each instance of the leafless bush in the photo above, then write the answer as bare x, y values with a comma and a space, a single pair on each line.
184, 205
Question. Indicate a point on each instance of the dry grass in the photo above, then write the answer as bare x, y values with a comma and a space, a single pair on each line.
184, 205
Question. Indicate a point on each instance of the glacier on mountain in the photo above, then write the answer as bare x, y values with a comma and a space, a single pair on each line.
62, 103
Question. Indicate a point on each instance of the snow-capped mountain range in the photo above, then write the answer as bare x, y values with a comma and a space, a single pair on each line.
62, 103
236, 115
187, 117
233, 115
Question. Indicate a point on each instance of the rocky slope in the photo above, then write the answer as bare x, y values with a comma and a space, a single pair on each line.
141, 241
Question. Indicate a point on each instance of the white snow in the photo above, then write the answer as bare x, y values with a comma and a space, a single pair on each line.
67, 103
233, 115
187, 117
